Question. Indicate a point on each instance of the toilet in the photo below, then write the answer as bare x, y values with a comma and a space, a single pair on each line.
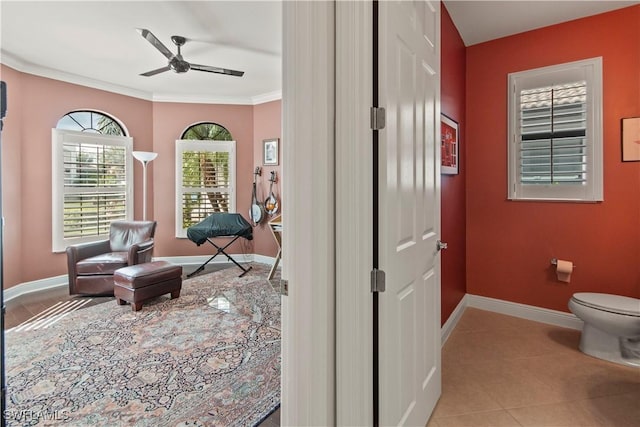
611, 328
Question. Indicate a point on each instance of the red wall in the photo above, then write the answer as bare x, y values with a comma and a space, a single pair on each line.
510, 244
453, 210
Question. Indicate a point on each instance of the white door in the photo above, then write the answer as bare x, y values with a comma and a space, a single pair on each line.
409, 222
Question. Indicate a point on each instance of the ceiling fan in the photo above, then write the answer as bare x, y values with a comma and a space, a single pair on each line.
176, 62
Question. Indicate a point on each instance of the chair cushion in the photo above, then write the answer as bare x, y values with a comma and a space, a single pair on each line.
102, 264
123, 234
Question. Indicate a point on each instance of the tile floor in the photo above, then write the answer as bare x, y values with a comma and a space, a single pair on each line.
504, 371
497, 370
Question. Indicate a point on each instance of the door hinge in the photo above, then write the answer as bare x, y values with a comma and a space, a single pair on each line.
378, 118
284, 287
377, 280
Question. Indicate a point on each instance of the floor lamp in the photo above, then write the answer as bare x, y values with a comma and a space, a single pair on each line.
145, 158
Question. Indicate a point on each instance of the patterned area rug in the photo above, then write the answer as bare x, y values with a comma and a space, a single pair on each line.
208, 358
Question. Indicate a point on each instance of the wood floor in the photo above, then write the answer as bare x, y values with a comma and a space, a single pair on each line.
497, 371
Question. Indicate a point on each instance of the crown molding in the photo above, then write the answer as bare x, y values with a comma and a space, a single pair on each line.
29, 68
50, 73
267, 97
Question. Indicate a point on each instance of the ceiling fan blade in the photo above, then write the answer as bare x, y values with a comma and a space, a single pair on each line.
217, 70
157, 71
148, 35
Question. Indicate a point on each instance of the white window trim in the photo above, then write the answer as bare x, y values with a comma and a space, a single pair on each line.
59, 138
591, 71
202, 145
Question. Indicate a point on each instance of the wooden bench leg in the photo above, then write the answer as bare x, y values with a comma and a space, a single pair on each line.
136, 306
175, 294
121, 301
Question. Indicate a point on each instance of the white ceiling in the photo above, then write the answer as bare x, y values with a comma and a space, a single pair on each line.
480, 20
95, 43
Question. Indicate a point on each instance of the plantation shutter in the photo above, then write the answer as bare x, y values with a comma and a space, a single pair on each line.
91, 185
553, 124
555, 132
206, 177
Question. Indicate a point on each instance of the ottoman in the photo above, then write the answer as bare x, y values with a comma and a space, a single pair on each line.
138, 283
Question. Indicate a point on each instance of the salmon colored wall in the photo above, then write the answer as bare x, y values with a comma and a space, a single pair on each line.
170, 120
36, 104
11, 173
510, 244
453, 208
267, 124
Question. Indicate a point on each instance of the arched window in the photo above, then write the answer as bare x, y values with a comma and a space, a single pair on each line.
206, 165
92, 177
91, 121
207, 131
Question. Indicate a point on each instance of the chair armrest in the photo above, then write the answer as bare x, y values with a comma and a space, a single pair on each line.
77, 253
140, 253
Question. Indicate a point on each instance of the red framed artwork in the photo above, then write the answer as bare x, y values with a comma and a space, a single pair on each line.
450, 155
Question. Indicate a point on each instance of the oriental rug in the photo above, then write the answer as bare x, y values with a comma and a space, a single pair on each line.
208, 358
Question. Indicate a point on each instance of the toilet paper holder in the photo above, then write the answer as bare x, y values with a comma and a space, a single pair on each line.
554, 261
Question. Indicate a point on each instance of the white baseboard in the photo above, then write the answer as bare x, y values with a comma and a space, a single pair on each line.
200, 259
35, 286
453, 320
529, 312
523, 311
262, 259
57, 281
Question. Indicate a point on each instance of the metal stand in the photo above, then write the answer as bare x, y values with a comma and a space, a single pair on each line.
221, 251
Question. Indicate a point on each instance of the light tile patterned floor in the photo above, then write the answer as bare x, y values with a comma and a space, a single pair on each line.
500, 370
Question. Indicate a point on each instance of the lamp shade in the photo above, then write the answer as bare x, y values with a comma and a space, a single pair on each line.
144, 156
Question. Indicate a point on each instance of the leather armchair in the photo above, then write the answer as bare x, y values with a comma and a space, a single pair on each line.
91, 265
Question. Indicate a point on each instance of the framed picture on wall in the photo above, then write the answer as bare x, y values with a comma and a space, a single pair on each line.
450, 155
631, 139
270, 151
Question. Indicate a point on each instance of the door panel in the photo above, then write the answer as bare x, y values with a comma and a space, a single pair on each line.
409, 219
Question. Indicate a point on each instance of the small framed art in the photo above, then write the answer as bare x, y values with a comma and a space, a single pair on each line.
631, 139
450, 155
270, 151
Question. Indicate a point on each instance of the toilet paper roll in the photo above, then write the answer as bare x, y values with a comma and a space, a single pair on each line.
564, 270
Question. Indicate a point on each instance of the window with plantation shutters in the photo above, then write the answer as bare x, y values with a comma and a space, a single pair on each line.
555, 136
205, 171
92, 178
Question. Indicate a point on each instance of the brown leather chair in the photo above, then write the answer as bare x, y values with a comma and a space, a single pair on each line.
91, 265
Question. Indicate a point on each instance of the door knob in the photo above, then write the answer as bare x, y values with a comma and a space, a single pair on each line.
441, 245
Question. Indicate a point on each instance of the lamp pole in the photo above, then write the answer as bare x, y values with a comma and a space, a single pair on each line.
145, 157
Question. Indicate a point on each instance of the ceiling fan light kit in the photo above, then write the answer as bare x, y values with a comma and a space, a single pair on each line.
176, 61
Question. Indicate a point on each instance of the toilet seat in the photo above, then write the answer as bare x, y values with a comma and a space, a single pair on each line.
610, 303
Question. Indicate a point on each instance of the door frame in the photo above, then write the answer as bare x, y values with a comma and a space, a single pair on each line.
327, 339
354, 217
309, 237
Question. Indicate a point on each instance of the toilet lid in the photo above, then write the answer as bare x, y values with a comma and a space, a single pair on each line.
608, 302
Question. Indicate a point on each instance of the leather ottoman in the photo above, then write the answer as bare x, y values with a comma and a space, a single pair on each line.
141, 282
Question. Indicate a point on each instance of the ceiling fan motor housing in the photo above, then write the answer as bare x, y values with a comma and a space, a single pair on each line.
178, 65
